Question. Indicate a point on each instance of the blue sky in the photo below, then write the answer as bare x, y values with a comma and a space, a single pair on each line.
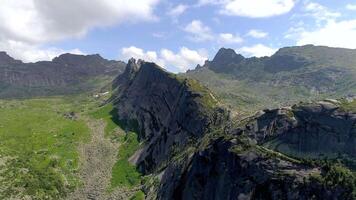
175, 34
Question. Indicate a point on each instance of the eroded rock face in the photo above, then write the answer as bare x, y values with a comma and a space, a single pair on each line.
169, 113
314, 129
218, 172
194, 152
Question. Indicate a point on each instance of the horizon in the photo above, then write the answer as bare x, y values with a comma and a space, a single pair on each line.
177, 35
208, 59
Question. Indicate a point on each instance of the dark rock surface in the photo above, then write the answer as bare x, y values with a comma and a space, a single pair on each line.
193, 151
218, 172
168, 112
315, 129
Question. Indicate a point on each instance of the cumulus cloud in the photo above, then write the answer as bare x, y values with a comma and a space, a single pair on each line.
252, 8
257, 33
228, 38
319, 12
181, 61
177, 10
32, 53
258, 50
351, 6
333, 34
36, 22
198, 31
330, 30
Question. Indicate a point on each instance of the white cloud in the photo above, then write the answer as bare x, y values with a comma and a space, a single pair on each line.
258, 50
252, 8
257, 33
198, 31
333, 34
32, 53
320, 12
178, 62
228, 38
135, 52
351, 6
329, 29
37, 22
177, 10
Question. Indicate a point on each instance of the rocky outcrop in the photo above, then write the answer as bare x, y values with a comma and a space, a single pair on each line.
192, 149
224, 61
222, 172
314, 130
170, 112
65, 74
5, 59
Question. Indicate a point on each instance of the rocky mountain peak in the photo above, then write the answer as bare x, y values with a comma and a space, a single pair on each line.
227, 55
6, 59
167, 109
224, 60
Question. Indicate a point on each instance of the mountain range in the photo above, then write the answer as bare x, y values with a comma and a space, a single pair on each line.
291, 75
65, 74
279, 127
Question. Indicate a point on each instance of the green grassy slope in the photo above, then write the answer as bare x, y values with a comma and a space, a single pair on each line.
124, 174
38, 148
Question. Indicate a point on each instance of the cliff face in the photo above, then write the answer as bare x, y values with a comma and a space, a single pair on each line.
309, 130
170, 112
65, 74
224, 171
193, 150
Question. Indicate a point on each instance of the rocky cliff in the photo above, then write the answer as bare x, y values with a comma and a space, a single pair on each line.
308, 130
171, 113
193, 150
65, 74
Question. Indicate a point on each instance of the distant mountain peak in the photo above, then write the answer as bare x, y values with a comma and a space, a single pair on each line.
227, 54
6, 59
74, 58
223, 60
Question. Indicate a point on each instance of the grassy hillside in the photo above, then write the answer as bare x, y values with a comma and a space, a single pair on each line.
38, 148
291, 75
124, 174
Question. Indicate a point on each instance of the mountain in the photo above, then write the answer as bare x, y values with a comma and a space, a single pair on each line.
169, 112
193, 149
290, 75
65, 74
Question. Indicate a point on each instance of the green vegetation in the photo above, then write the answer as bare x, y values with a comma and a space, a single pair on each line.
337, 176
124, 173
206, 98
38, 148
138, 196
348, 105
105, 113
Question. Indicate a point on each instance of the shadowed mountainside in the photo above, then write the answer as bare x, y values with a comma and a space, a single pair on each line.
66, 74
192, 149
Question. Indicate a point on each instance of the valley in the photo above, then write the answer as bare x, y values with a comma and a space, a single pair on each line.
146, 133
